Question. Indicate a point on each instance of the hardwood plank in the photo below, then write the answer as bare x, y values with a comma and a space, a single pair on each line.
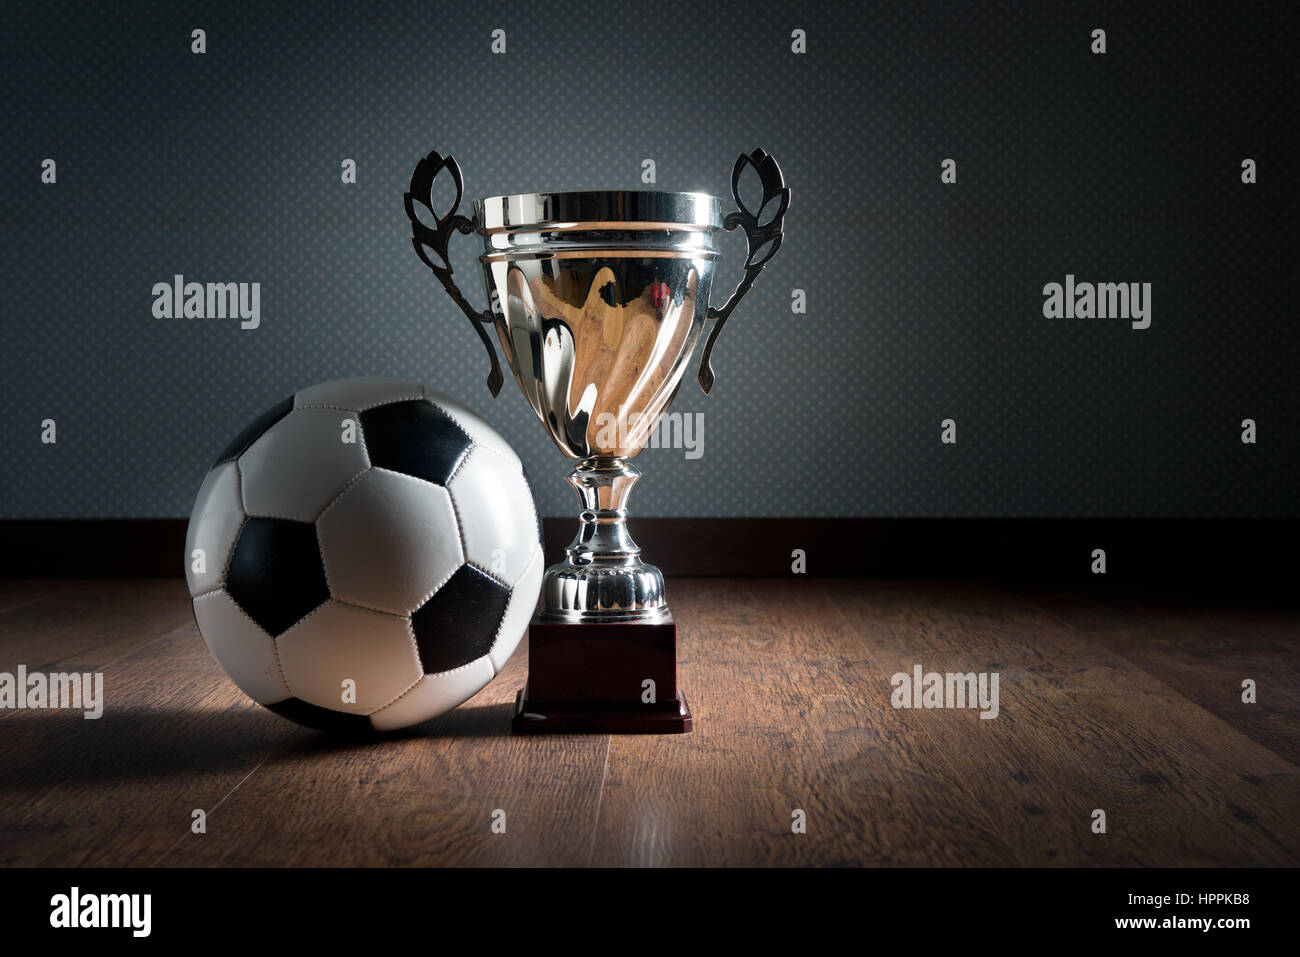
1200, 646
784, 719
87, 623
1080, 728
16, 592
175, 735
422, 797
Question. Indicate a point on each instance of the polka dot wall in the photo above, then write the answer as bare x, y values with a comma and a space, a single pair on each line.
924, 298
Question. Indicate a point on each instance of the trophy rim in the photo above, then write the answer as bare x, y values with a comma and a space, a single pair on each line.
600, 209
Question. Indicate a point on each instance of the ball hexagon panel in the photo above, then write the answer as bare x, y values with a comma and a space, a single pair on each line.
415, 438
214, 526
519, 611
389, 541
275, 573
473, 426
338, 642
300, 463
498, 523
357, 394
460, 622
434, 695
244, 650
253, 431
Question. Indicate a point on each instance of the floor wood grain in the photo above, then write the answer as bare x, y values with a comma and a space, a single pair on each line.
1201, 648
1081, 729
1124, 701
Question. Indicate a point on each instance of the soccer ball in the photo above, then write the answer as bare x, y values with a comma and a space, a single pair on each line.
365, 555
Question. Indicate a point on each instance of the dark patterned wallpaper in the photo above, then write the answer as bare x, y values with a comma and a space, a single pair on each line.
925, 299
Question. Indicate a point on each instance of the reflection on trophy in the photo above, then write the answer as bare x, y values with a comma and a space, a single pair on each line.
598, 299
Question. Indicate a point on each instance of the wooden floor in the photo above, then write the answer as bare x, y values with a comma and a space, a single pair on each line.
1109, 699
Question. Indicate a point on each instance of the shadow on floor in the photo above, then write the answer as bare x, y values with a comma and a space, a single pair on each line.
39, 749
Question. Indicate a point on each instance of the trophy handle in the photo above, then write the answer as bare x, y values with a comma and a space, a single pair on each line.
428, 240
764, 239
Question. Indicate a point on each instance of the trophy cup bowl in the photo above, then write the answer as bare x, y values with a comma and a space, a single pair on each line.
597, 299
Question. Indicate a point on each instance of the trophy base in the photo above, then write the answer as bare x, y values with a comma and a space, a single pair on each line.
569, 717
602, 678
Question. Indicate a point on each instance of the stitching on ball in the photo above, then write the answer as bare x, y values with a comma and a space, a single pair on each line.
275, 647
339, 494
464, 667
243, 511
328, 407
517, 463
405, 398
230, 552
460, 547
239, 486
284, 679
359, 409
385, 707
415, 650
473, 447
497, 638
490, 574
365, 607
292, 626
438, 587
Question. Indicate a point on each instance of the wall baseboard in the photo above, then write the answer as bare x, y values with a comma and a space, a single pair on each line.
1170, 550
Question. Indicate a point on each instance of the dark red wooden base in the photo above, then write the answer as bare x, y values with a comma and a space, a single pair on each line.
592, 678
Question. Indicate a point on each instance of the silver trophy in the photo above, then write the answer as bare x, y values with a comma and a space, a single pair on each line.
597, 299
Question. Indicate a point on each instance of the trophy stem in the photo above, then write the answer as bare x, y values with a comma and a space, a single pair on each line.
604, 578
603, 485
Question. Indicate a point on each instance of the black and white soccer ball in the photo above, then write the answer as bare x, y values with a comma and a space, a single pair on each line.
365, 555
